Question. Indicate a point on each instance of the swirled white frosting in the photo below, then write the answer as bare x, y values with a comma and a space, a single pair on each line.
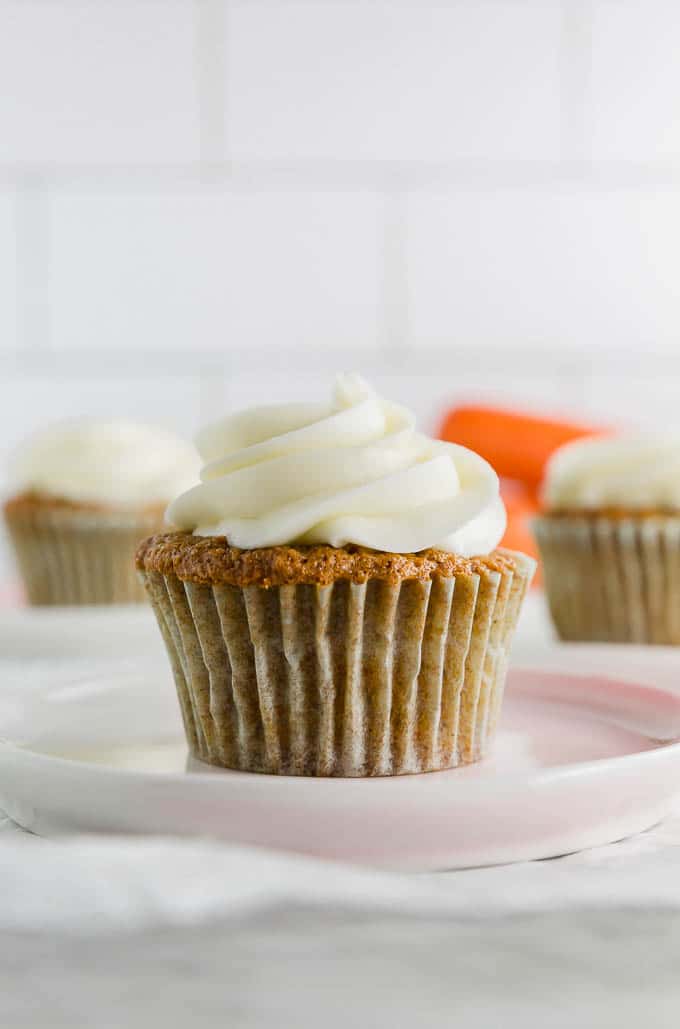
352, 471
117, 462
619, 471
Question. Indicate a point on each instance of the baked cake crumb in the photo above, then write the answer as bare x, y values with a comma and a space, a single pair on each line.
210, 560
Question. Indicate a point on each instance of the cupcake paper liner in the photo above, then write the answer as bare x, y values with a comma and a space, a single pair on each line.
612, 579
67, 556
341, 680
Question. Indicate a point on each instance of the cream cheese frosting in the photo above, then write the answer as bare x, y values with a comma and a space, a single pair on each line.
120, 463
354, 470
619, 471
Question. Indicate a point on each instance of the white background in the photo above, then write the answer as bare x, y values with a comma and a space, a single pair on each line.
207, 203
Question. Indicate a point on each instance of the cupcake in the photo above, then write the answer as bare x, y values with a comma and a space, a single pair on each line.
86, 493
335, 604
610, 540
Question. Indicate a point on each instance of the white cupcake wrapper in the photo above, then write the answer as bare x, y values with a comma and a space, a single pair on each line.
70, 557
341, 680
612, 579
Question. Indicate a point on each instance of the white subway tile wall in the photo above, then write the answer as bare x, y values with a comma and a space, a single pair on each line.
550, 268
95, 82
393, 81
215, 270
635, 81
204, 203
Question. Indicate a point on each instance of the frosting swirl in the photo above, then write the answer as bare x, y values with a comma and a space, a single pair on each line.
353, 471
120, 463
615, 471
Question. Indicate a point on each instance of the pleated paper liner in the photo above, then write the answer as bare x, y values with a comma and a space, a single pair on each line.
66, 556
345, 679
612, 579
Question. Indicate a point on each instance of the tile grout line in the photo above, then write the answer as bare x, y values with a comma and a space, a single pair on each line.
351, 176
573, 366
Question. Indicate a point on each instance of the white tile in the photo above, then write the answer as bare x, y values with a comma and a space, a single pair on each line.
97, 82
645, 399
411, 81
636, 79
545, 269
215, 271
29, 402
8, 273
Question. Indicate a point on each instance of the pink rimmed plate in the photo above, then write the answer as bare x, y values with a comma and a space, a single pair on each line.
579, 761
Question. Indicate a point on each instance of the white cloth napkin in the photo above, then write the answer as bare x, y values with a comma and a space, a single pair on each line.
110, 884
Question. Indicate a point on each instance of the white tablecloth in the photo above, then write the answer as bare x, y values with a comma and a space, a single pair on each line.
123, 933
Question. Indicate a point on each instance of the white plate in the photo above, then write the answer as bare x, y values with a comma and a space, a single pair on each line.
98, 632
579, 762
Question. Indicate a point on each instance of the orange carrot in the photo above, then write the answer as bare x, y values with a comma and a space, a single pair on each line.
517, 445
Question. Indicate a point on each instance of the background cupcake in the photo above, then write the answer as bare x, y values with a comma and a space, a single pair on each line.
336, 604
610, 540
85, 493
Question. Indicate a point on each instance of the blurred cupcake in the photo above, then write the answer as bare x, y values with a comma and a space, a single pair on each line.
86, 493
335, 605
610, 540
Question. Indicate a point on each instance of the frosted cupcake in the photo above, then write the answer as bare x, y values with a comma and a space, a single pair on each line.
610, 540
335, 604
86, 493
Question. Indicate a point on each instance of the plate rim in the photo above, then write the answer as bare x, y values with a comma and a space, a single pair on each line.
662, 751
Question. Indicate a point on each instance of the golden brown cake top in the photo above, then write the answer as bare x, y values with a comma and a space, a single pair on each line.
210, 560
30, 501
